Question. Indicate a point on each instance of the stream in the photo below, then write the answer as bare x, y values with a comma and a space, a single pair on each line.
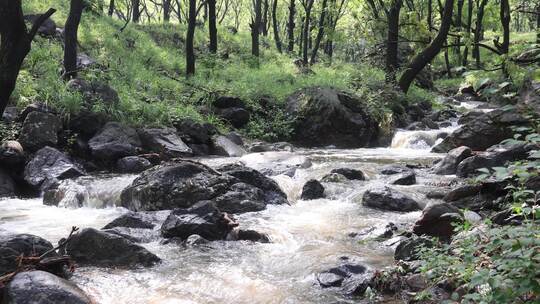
306, 238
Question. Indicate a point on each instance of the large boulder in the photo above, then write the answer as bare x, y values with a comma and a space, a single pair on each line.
114, 141
312, 190
39, 287
203, 219
326, 116
482, 132
225, 102
386, 198
7, 185
39, 129
353, 279
12, 246
100, 248
184, 183
495, 156
164, 141
438, 221
238, 117
449, 164
48, 167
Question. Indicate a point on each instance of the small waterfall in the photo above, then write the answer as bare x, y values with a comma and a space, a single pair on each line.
420, 140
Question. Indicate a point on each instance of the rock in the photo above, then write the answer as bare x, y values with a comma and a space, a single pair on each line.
438, 221
326, 116
312, 190
99, 248
39, 130
224, 102
238, 117
193, 132
394, 169
462, 192
448, 165
10, 115
95, 92
203, 219
131, 220
416, 282
84, 61
11, 154
405, 179
132, 164
114, 141
36, 107
271, 147
533, 183
353, 279
195, 240
164, 141
87, 123
223, 146
47, 28
183, 184
482, 132
530, 94
386, 198
495, 156
48, 167
334, 178
407, 250
12, 246
7, 185
251, 235
466, 89
436, 194
39, 287
235, 138
478, 197
350, 174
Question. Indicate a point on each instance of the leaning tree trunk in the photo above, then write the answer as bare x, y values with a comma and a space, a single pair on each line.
275, 25
426, 56
70, 38
392, 41
469, 29
320, 34
212, 27
255, 28
15, 43
190, 34
111, 8
291, 25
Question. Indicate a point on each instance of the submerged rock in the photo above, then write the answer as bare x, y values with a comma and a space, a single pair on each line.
394, 169
312, 190
386, 198
39, 287
48, 167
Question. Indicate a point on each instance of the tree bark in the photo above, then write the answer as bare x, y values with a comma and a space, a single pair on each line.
190, 34
264, 19
505, 21
478, 32
459, 22
426, 56
469, 29
255, 28
538, 24
430, 15
320, 34
291, 25
392, 41
136, 10
70, 38
166, 10
275, 25
212, 27
111, 8
307, 6
15, 43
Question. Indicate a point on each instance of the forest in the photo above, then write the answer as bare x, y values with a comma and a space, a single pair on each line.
269, 151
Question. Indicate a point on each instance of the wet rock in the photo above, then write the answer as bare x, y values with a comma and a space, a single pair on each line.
47, 28
495, 156
252, 235
353, 279
271, 147
195, 240
131, 220
386, 198
408, 249
164, 141
223, 146
114, 141
99, 248
331, 117
477, 197
132, 164
7, 185
436, 194
334, 178
404, 179
12, 246
394, 169
448, 165
203, 219
39, 130
443, 115
379, 233
350, 174
193, 132
48, 167
312, 190
438, 221
238, 117
224, 102
39, 287
235, 138
462, 192
95, 91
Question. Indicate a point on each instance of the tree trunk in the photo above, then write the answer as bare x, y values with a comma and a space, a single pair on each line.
459, 22
469, 27
392, 41
320, 34
212, 27
307, 7
264, 21
291, 25
190, 52
15, 43
430, 15
301, 38
538, 24
166, 10
111, 8
255, 27
426, 56
505, 21
478, 32
276, 26
447, 61
136, 10
70, 38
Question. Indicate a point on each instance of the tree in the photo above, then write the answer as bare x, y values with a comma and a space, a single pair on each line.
70, 38
166, 10
308, 5
468, 31
478, 31
136, 10
426, 56
190, 34
15, 44
291, 25
255, 28
505, 22
320, 34
212, 27
393, 40
111, 8
275, 25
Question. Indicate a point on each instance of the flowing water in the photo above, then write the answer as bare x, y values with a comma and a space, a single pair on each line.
307, 236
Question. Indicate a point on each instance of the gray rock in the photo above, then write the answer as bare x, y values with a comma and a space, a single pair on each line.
131, 220
438, 221
496, 156
164, 141
386, 198
404, 179
353, 279
350, 174
193, 132
48, 167
448, 165
12, 246
394, 169
95, 91
408, 249
132, 164
238, 117
39, 130
312, 190
114, 141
